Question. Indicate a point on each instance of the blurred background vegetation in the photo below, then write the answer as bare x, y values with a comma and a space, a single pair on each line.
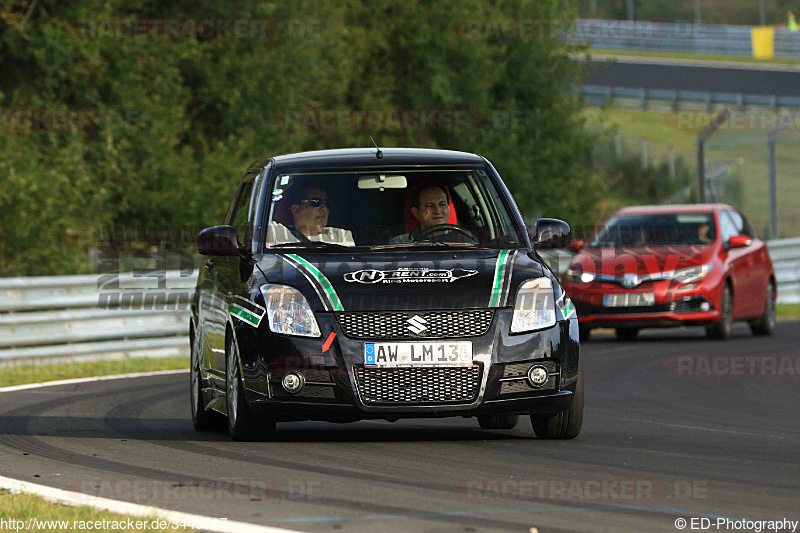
167, 124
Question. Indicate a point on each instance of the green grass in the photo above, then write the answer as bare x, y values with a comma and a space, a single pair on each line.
20, 374
600, 52
788, 310
738, 145
25, 506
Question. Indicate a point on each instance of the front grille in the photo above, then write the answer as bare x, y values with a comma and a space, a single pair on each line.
418, 385
680, 306
437, 324
309, 391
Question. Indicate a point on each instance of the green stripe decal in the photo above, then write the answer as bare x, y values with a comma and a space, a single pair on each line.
320, 277
499, 269
245, 315
568, 309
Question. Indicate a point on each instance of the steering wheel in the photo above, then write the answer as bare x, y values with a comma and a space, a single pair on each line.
446, 227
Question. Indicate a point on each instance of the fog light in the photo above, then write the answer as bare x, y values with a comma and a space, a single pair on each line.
293, 382
537, 376
705, 306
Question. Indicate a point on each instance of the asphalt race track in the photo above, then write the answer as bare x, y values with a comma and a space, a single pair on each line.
664, 437
746, 79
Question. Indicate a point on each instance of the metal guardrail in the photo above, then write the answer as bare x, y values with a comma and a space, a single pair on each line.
66, 316
123, 315
678, 37
601, 95
785, 255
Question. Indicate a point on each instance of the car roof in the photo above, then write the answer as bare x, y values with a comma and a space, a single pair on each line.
366, 158
676, 208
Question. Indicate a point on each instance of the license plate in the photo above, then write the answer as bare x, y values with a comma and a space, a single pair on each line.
389, 354
630, 299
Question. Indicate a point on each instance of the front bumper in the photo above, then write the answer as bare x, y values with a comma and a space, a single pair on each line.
686, 305
335, 392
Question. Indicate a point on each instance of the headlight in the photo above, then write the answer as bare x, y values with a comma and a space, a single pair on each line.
288, 311
535, 307
576, 276
691, 275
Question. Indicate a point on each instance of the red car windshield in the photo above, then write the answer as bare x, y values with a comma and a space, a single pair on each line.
656, 229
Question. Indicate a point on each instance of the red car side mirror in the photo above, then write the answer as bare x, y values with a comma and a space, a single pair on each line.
575, 246
739, 241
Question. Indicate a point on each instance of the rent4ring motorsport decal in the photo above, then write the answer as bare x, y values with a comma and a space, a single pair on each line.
409, 275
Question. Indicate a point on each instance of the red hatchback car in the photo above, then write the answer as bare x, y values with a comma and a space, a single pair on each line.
673, 265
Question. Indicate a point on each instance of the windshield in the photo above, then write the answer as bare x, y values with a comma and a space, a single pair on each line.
654, 230
387, 210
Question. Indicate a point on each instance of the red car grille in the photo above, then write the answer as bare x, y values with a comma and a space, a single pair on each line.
681, 306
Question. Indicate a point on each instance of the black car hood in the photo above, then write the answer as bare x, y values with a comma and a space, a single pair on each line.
402, 281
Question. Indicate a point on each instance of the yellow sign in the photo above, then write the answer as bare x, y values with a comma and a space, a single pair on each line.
763, 38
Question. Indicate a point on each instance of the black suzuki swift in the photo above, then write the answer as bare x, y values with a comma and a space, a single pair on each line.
381, 284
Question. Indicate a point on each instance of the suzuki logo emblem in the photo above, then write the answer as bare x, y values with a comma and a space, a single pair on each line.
416, 324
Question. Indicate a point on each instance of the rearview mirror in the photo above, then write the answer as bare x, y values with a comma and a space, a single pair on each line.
382, 181
739, 241
551, 233
575, 246
218, 240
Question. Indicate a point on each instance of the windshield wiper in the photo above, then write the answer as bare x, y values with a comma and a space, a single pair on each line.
424, 244
315, 245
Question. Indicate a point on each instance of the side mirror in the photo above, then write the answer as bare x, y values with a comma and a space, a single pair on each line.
576, 246
551, 233
218, 240
739, 241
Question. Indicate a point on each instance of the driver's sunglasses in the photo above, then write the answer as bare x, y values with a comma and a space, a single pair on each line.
316, 202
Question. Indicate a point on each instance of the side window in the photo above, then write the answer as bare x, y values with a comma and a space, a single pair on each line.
241, 211
726, 226
738, 223
748, 228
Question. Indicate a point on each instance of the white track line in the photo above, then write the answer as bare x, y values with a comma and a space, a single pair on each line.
134, 509
89, 380
131, 509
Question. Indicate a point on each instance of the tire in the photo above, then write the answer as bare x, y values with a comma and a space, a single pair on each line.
765, 325
723, 328
202, 418
566, 424
627, 334
584, 333
242, 425
498, 421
